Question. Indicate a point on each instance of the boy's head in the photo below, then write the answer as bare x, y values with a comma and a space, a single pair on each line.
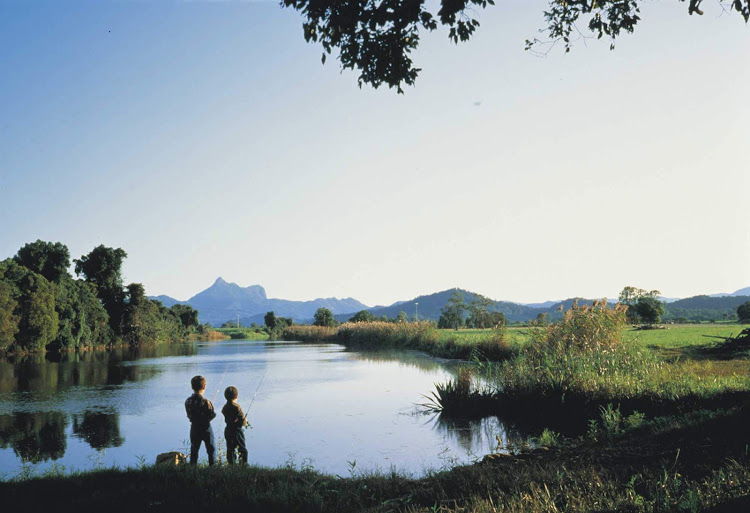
231, 393
198, 383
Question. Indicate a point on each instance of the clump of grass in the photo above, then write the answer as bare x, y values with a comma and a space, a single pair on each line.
417, 335
548, 438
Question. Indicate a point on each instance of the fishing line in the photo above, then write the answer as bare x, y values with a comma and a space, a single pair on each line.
256, 393
218, 387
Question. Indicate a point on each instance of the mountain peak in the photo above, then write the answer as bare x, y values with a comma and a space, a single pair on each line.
220, 281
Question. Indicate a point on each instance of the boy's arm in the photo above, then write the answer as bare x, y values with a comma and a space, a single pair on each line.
242, 416
187, 410
211, 412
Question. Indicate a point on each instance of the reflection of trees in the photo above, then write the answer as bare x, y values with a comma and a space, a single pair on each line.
35, 437
99, 429
405, 357
477, 435
57, 372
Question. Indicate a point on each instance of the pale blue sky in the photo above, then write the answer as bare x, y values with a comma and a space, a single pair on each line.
206, 139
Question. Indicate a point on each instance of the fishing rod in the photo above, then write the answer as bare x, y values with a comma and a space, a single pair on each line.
255, 395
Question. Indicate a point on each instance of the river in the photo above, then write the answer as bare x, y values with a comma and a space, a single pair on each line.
320, 405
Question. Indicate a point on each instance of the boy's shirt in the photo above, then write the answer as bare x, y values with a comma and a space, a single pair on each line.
233, 415
199, 410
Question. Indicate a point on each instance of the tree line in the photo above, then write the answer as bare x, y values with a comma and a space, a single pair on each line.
42, 307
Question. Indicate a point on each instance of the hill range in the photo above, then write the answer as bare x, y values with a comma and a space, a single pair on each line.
224, 301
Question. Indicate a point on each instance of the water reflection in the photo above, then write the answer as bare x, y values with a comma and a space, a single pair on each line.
476, 435
99, 429
34, 437
54, 373
405, 358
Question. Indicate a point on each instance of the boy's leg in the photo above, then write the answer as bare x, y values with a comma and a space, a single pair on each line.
240, 440
210, 445
230, 437
195, 445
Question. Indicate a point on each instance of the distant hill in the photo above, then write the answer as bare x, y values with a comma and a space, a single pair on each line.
705, 308
165, 300
223, 301
430, 307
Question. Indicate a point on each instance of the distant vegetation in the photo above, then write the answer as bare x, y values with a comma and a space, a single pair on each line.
42, 307
241, 333
423, 336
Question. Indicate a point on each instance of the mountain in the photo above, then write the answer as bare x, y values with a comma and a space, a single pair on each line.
165, 300
224, 301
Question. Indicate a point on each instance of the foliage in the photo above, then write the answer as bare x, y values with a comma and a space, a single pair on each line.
376, 38
324, 317
632, 297
244, 333
38, 320
103, 267
743, 312
270, 320
83, 320
8, 318
43, 307
479, 314
649, 309
362, 316
51, 260
451, 315
275, 326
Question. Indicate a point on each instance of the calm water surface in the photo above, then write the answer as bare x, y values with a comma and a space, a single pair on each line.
319, 405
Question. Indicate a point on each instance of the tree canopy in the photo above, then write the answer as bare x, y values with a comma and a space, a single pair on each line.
743, 312
324, 317
43, 307
377, 37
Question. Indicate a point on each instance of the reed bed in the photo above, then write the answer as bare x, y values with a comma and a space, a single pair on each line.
302, 333
423, 336
415, 335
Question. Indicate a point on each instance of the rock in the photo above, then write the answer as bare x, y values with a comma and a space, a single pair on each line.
171, 458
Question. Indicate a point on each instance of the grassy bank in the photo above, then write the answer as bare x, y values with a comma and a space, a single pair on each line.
679, 465
566, 372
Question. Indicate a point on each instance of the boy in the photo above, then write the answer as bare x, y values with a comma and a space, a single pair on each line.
200, 411
236, 420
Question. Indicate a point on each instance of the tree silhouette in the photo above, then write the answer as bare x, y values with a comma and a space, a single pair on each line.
376, 37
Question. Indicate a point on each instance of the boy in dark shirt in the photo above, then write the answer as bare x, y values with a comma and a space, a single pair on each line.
236, 421
200, 411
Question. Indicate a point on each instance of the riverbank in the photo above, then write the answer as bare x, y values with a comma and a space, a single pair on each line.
677, 464
494, 345
207, 336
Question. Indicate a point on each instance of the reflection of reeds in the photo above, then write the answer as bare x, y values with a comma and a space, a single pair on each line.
459, 397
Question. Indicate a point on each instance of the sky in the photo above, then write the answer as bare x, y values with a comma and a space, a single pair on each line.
206, 139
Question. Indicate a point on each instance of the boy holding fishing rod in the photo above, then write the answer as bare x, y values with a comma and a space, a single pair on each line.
234, 432
200, 411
